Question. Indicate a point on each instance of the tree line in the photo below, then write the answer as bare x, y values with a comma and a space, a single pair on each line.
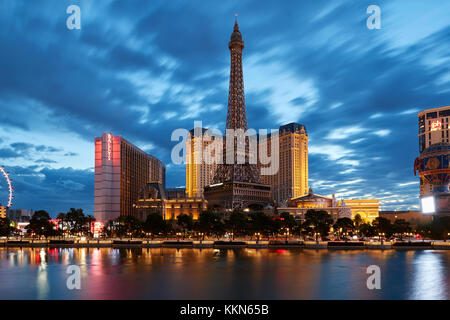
316, 223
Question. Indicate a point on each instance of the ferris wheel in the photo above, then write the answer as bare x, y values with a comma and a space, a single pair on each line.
10, 186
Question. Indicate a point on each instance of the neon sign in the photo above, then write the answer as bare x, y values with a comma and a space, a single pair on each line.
109, 146
436, 125
97, 227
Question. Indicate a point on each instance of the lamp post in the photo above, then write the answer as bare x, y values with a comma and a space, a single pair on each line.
316, 234
381, 236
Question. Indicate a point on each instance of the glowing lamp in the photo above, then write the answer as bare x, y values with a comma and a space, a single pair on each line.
428, 205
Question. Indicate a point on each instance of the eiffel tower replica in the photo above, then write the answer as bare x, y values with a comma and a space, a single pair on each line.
237, 186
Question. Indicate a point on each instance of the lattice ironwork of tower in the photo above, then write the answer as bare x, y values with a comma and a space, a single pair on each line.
237, 118
237, 185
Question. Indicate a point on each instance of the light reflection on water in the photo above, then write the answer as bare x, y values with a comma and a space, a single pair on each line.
429, 273
167, 273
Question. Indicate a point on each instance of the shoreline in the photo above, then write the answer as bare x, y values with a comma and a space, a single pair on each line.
262, 244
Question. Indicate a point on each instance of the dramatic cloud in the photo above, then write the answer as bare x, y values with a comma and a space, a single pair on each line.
141, 69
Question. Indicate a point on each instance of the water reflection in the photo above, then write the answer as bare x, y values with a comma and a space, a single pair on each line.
428, 279
42, 280
157, 273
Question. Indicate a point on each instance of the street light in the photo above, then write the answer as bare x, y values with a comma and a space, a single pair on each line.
381, 236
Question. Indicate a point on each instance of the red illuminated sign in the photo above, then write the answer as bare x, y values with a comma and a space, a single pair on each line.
55, 223
436, 125
97, 227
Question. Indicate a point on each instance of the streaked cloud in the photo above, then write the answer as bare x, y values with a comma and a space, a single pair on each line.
141, 69
344, 132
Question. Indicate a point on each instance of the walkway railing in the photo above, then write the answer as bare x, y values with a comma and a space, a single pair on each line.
221, 242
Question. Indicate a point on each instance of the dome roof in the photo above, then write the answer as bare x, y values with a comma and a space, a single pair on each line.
440, 147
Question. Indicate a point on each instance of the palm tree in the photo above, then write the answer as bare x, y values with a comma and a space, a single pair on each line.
210, 223
346, 224
357, 222
237, 222
87, 224
62, 217
5, 227
401, 226
110, 228
129, 226
382, 226
261, 223
155, 224
367, 230
76, 221
40, 224
320, 220
185, 222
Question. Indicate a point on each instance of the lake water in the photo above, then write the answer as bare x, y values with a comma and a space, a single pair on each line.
167, 273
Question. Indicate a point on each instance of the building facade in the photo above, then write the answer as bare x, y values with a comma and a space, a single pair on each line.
433, 167
291, 178
433, 161
199, 171
19, 215
168, 203
3, 210
433, 127
367, 209
300, 205
121, 171
415, 218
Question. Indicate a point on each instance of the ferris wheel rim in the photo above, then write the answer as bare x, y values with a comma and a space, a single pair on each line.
10, 187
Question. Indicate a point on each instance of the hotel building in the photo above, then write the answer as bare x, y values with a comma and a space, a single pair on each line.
367, 209
3, 210
121, 171
432, 163
433, 127
199, 172
19, 215
291, 179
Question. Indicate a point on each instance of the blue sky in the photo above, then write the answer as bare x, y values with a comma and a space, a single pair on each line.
141, 69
